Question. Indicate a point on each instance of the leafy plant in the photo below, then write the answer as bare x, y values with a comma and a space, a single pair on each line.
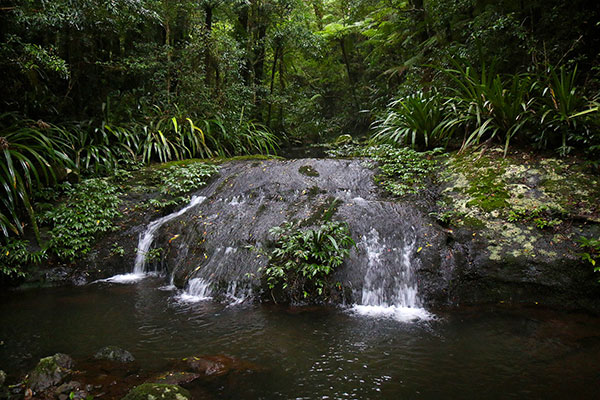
117, 250
592, 251
15, 255
423, 119
490, 104
28, 159
180, 179
90, 209
565, 107
303, 260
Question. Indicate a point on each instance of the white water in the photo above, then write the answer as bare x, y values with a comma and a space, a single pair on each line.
199, 289
386, 293
144, 243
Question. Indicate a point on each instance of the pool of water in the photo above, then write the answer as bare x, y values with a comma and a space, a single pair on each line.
484, 352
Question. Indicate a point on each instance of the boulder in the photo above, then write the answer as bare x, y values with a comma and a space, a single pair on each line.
155, 391
114, 353
50, 371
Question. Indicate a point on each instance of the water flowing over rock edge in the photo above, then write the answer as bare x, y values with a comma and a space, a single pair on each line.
451, 267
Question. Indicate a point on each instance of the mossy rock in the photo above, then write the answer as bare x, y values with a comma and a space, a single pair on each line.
308, 170
50, 371
157, 391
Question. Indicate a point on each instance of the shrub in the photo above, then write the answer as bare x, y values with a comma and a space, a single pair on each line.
303, 260
423, 119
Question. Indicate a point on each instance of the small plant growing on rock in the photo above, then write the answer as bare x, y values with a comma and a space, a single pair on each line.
302, 261
180, 179
591, 247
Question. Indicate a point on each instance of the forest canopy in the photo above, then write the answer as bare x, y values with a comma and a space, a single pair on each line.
89, 86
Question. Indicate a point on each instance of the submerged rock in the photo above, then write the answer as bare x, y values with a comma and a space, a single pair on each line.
216, 365
49, 372
156, 391
114, 353
176, 378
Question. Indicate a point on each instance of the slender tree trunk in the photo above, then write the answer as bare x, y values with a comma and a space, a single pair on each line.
273, 69
169, 55
318, 8
207, 51
348, 71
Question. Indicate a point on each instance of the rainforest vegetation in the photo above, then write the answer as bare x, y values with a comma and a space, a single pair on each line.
92, 88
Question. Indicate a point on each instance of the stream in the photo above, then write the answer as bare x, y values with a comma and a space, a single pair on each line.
318, 352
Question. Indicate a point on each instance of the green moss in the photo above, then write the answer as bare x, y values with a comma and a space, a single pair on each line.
308, 170
472, 222
215, 160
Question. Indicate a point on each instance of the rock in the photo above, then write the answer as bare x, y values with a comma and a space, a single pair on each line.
343, 139
155, 391
210, 365
49, 372
114, 353
176, 378
217, 365
67, 388
3, 390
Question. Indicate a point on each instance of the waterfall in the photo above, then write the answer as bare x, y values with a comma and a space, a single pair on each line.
390, 287
145, 241
147, 237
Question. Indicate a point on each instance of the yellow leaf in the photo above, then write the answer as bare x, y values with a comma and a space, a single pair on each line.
173, 238
419, 249
97, 222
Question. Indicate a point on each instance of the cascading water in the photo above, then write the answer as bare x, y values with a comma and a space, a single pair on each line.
145, 241
390, 290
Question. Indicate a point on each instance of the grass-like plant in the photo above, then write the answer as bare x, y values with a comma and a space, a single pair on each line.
565, 108
28, 157
423, 119
491, 105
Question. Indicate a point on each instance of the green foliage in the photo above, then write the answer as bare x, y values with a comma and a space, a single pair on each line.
491, 105
423, 119
29, 157
303, 260
16, 254
181, 179
592, 251
90, 209
565, 108
542, 217
117, 250
404, 171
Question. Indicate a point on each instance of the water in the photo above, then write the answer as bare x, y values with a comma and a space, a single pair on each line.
487, 352
386, 292
145, 241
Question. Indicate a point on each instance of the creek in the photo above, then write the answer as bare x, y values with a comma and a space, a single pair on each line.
323, 352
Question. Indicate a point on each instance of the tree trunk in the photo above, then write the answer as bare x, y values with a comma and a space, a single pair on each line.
273, 69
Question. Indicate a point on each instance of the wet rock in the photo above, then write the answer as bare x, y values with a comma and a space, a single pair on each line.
217, 365
155, 391
49, 372
210, 365
71, 390
176, 378
3, 390
114, 353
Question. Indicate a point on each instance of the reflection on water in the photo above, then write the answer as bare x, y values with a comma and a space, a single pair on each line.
313, 353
